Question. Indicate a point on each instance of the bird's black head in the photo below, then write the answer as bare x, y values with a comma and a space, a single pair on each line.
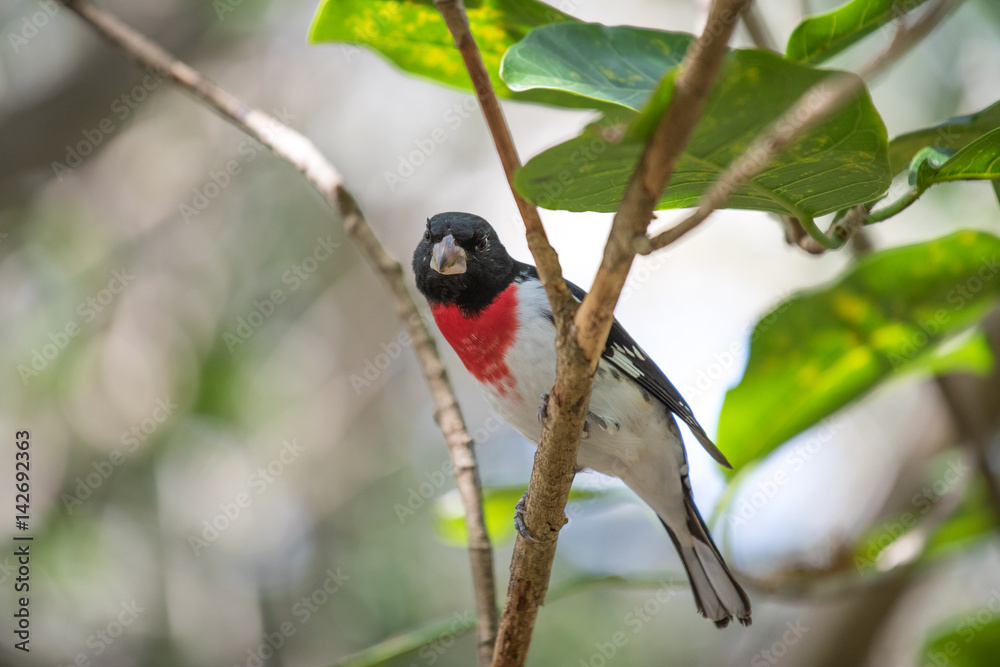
461, 261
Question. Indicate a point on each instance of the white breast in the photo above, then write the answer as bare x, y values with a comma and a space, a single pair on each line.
644, 427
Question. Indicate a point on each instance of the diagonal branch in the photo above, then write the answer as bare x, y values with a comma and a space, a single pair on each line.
757, 28
555, 460
694, 82
582, 332
298, 151
817, 103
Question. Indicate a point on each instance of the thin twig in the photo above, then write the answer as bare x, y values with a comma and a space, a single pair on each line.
757, 28
817, 103
546, 260
581, 335
297, 150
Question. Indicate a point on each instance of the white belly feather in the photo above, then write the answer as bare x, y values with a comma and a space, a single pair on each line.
645, 451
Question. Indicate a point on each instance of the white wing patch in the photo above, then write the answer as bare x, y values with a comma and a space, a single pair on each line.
622, 358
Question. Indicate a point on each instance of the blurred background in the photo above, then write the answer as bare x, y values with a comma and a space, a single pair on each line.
234, 456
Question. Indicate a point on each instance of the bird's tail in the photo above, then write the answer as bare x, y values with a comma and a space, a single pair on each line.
718, 595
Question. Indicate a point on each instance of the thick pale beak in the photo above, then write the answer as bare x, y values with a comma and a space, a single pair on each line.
448, 258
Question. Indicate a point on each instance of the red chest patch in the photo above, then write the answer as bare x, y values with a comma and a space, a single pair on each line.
482, 341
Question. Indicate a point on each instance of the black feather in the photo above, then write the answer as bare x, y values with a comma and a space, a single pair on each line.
650, 377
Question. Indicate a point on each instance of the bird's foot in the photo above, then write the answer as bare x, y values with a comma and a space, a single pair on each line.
543, 410
519, 510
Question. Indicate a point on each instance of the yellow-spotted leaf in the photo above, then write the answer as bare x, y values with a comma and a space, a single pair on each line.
820, 350
412, 34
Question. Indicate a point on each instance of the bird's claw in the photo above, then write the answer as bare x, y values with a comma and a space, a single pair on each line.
543, 410
519, 510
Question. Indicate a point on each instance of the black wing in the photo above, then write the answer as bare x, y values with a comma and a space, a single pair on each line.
622, 352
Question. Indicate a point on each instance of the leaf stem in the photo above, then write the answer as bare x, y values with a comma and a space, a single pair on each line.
894, 208
828, 242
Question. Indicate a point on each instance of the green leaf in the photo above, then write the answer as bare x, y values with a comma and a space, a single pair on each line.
971, 639
822, 349
823, 36
839, 163
412, 34
620, 65
970, 354
979, 160
951, 135
498, 512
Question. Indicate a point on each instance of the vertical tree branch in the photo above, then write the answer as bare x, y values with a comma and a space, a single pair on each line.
581, 335
297, 150
546, 259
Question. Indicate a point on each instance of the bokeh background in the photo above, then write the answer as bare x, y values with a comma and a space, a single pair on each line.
220, 453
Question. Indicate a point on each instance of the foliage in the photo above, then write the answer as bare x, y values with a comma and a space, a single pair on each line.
950, 135
823, 36
412, 35
897, 311
969, 640
840, 163
820, 350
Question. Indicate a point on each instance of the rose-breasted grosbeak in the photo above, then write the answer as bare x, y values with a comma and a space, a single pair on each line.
493, 311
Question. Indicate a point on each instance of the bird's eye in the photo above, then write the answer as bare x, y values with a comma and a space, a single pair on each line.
483, 244
427, 235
